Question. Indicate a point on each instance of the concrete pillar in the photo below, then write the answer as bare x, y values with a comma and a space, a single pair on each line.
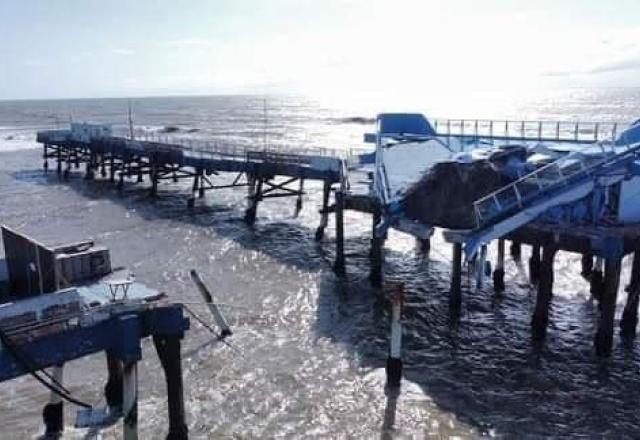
629, 320
455, 292
423, 245
324, 212
498, 273
53, 412
394, 359
168, 348
540, 319
604, 335
339, 265
534, 264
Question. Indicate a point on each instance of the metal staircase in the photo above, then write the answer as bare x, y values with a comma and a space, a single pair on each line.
565, 180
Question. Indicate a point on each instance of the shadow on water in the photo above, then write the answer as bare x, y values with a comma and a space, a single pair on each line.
480, 366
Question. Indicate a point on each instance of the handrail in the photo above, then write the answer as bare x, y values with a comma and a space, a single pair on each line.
532, 130
494, 197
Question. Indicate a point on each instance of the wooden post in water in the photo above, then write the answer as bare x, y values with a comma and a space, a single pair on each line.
498, 273
53, 412
130, 400
629, 320
587, 264
377, 251
394, 359
168, 348
540, 319
324, 212
455, 292
596, 280
604, 335
45, 163
339, 265
200, 175
480, 264
534, 264
515, 250
299, 198
255, 193
113, 388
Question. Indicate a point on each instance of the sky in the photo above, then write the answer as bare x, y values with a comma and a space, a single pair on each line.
341, 48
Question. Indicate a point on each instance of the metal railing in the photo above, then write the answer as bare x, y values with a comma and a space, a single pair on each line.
524, 130
558, 173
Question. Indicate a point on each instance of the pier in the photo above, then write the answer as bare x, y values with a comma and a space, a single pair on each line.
513, 214
58, 308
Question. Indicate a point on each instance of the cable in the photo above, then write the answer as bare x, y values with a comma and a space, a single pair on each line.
54, 387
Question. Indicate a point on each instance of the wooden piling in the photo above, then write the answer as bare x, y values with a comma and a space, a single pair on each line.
498, 273
53, 412
377, 252
455, 292
324, 212
168, 349
587, 265
540, 319
534, 264
339, 265
604, 335
113, 387
516, 251
254, 198
299, 198
629, 320
596, 281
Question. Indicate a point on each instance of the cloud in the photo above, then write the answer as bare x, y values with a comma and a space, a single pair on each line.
124, 51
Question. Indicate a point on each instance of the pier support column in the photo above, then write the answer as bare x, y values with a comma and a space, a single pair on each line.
153, 175
339, 265
53, 412
480, 266
516, 251
168, 348
45, 163
540, 319
597, 280
324, 212
90, 165
629, 320
103, 166
112, 168
423, 245
130, 400
377, 252
604, 335
498, 273
59, 159
394, 360
67, 170
534, 265
587, 265
200, 176
254, 198
113, 389
455, 292
140, 173
299, 198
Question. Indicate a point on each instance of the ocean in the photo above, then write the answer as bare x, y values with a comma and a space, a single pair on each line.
311, 347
